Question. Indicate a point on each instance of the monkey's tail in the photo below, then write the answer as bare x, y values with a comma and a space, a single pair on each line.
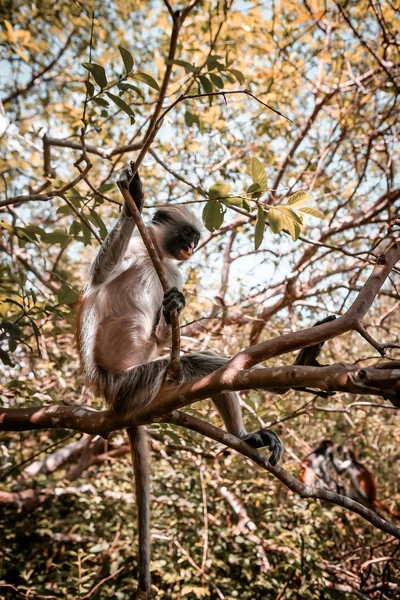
387, 509
141, 467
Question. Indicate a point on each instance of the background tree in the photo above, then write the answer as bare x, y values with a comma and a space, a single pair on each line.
82, 95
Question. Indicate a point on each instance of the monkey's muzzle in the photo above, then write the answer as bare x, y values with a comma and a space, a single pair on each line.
186, 254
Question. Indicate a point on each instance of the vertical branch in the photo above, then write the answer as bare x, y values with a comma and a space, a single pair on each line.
153, 253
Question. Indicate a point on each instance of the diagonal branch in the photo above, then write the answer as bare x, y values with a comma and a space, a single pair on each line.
305, 491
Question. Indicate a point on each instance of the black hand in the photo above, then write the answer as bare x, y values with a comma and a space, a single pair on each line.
266, 437
135, 188
173, 300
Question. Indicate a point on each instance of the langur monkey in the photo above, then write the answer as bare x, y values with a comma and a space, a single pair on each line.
123, 327
317, 468
363, 484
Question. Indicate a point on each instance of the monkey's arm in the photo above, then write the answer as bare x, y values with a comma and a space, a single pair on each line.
116, 243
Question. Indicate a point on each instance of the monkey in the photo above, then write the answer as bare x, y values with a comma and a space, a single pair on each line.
363, 484
317, 468
123, 326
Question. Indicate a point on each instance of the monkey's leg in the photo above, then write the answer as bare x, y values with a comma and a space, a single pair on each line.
228, 405
308, 356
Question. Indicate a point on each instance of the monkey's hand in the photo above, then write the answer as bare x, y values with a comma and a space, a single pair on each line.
266, 437
173, 300
134, 187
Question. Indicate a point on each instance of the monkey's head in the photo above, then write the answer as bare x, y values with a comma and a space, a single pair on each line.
177, 231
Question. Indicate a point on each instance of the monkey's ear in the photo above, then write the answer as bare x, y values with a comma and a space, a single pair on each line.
161, 216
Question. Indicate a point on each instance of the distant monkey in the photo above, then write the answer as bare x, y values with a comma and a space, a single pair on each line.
317, 468
363, 484
123, 327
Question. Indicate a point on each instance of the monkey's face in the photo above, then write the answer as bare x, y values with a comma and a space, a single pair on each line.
182, 241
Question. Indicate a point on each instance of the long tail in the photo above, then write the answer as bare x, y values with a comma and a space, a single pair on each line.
141, 468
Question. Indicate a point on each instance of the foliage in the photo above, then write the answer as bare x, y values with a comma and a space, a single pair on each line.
269, 265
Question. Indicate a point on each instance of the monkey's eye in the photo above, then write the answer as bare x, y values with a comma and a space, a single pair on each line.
186, 232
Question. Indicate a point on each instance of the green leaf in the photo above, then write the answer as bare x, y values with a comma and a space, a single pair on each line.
129, 86
260, 228
298, 198
89, 88
258, 173
254, 190
98, 73
101, 102
67, 295
147, 79
236, 201
98, 221
75, 197
217, 80
58, 236
238, 74
290, 214
206, 84
122, 105
127, 58
213, 215
189, 68
293, 228
5, 359
219, 190
314, 212
275, 220
190, 119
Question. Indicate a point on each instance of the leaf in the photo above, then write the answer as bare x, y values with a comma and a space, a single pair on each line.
98, 221
5, 359
236, 201
254, 190
129, 86
101, 102
89, 88
238, 74
122, 105
275, 220
219, 190
298, 198
213, 215
293, 228
75, 197
98, 73
147, 79
290, 214
260, 228
217, 80
67, 295
190, 119
189, 68
314, 212
127, 58
58, 236
258, 173
206, 84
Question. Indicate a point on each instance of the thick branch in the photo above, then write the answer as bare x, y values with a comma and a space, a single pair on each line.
305, 491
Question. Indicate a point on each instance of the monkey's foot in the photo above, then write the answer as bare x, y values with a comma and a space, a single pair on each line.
266, 437
173, 300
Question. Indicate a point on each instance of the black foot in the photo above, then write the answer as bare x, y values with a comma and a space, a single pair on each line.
308, 356
266, 437
134, 187
173, 300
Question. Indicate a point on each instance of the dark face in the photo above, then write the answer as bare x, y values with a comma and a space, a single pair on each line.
181, 241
